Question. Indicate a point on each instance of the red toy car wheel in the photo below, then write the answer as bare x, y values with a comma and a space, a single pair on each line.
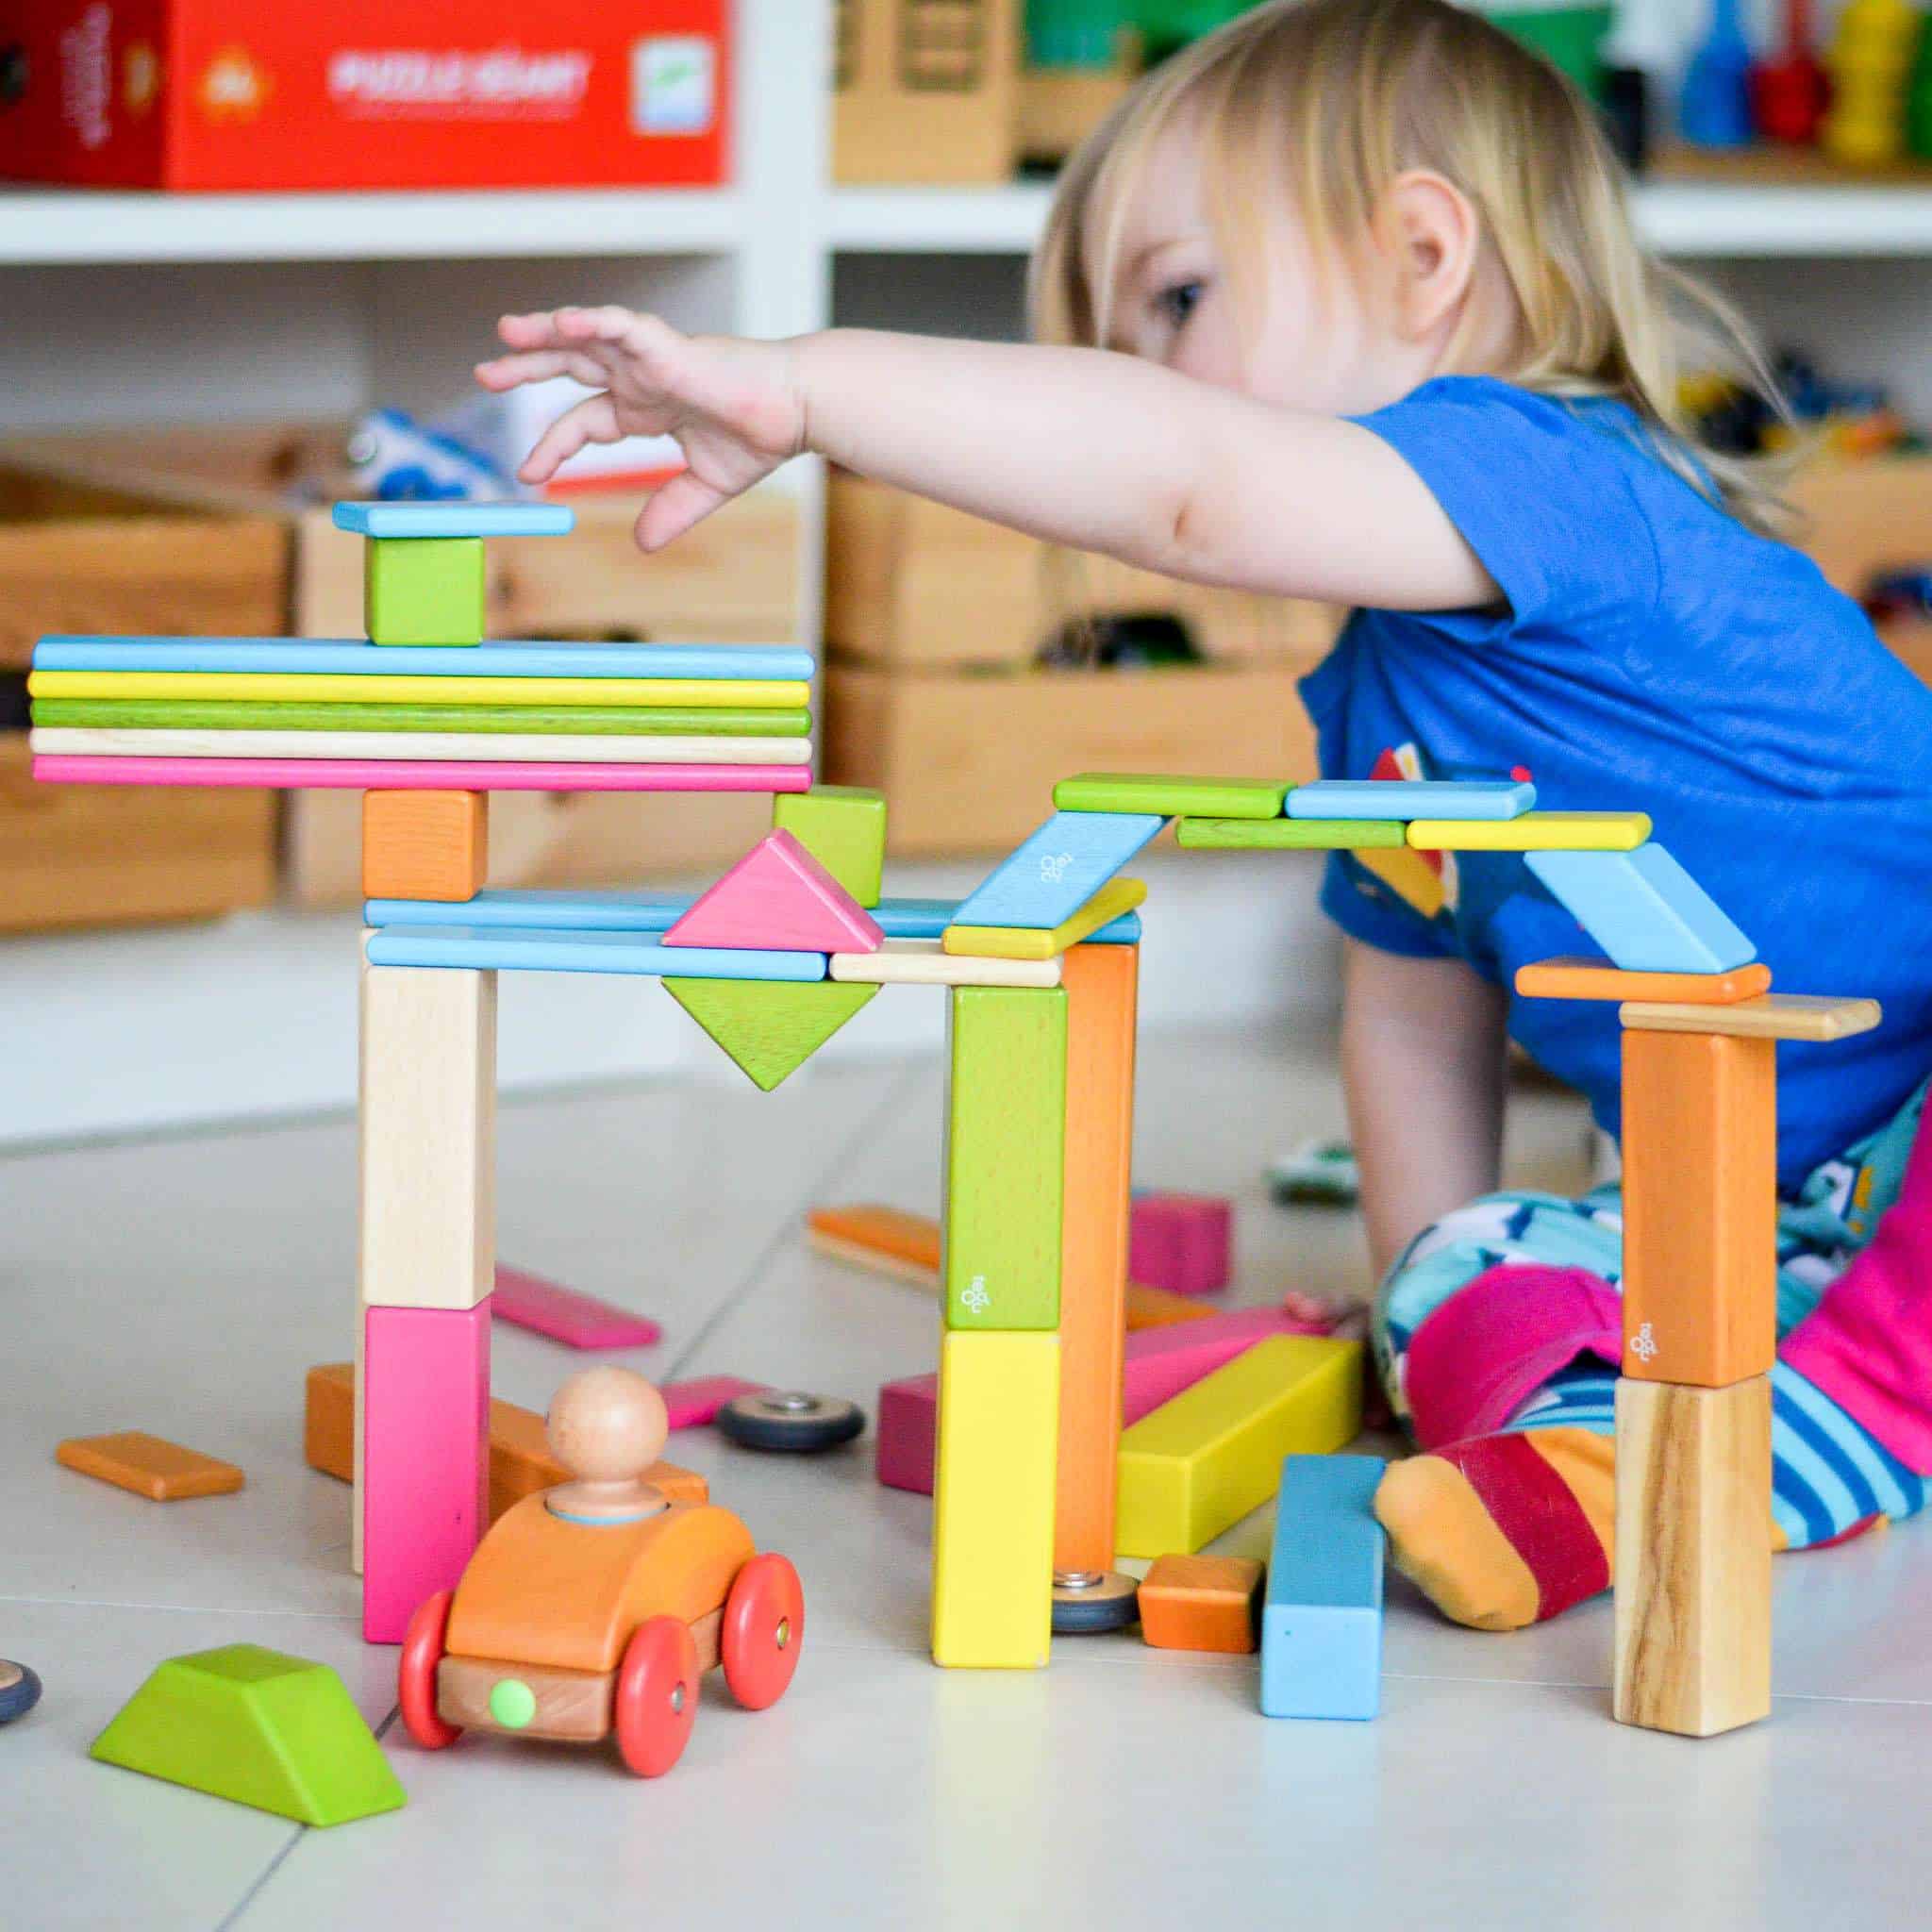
656, 1700
422, 1650
763, 1627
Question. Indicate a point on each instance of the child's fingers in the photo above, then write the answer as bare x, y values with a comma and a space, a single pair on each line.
681, 503
539, 365
593, 420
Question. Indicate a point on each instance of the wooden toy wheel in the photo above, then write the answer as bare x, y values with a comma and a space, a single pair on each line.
763, 1628
656, 1700
422, 1650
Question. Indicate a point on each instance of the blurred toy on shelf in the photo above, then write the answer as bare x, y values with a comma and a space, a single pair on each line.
1871, 59
1714, 110
1845, 420
1789, 91
1082, 55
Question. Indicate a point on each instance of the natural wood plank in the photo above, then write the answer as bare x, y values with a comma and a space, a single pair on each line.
1769, 1016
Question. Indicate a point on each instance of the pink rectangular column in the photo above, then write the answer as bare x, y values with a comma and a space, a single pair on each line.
425, 1457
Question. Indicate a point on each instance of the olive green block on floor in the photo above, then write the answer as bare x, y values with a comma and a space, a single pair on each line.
424, 590
1289, 834
259, 1727
843, 828
1224, 798
771, 1027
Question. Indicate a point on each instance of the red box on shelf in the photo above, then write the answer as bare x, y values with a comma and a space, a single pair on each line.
364, 93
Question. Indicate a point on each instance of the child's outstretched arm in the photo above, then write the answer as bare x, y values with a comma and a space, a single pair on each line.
1084, 448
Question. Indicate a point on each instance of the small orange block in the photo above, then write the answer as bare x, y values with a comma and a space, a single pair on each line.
163, 1472
1202, 1602
1160, 1308
1591, 979
885, 1238
425, 844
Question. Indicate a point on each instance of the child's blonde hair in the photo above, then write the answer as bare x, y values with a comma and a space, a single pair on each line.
1337, 98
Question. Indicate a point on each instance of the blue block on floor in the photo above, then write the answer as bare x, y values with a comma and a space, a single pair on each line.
1322, 1620
503, 949
1059, 869
1645, 911
1411, 798
393, 519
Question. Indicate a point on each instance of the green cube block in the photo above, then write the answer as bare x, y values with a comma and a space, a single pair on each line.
259, 1727
424, 590
1006, 1143
843, 828
1226, 798
1290, 835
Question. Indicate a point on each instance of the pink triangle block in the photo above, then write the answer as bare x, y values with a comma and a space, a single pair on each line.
779, 897
580, 1321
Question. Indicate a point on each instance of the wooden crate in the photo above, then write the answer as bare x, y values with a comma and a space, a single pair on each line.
968, 762
925, 91
1866, 517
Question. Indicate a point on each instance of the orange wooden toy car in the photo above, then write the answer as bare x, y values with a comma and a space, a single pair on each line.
597, 1606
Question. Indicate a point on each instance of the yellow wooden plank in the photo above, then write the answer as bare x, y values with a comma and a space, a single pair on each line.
1534, 831
994, 1500
1203, 1460
330, 687
1040, 942
1771, 1016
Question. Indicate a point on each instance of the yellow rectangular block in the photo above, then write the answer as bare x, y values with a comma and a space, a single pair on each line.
1534, 831
1042, 943
994, 1499
1202, 1461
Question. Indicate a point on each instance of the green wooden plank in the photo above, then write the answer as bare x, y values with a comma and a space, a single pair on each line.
1298, 835
1227, 798
424, 590
1006, 1140
843, 828
187, 714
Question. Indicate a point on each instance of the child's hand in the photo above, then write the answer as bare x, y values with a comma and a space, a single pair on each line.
734, 406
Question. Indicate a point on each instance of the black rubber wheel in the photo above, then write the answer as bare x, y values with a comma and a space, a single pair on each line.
789, 1420
1111, 1604
20, 1691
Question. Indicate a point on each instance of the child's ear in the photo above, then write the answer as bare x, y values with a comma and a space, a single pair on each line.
1431, 238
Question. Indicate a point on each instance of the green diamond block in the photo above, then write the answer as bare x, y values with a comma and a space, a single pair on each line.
843, 828
1226, 798
770, 1028
259, 1727
1298, 835
424, 590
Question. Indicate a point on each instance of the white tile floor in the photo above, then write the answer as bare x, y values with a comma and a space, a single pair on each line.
184, 1286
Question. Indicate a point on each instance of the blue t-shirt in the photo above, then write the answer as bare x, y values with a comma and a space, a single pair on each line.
1655, 656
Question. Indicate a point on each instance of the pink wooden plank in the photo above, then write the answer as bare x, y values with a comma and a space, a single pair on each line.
778, 896
694, 1403
577, 1321
412, 774
425, 1461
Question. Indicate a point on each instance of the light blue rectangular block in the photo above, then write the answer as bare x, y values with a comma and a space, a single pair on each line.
628, 912
1411, 798
511, 950
1321, 1618
340, 657
1059, 869
393, 519
1645, 911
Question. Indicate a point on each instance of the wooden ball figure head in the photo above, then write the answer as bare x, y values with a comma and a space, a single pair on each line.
606, 1427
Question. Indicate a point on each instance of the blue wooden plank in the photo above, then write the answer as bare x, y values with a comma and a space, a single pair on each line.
1321, 1618
393, 519
1645, 911
1411, 798
509, 949
343, 657
629, 912
1059, 869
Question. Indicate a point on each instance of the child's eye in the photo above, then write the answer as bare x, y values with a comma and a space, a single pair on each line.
1176, 303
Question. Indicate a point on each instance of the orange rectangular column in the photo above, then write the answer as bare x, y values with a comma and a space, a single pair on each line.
1103, 993
1700, 1207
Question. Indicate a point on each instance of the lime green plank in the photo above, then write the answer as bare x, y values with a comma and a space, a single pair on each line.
1299, 835
581, 720
257, 1726
1226, 798
770, 1028
1004, 1146
843, 828
424, 590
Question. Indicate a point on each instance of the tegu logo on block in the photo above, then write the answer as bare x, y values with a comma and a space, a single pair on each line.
508, 81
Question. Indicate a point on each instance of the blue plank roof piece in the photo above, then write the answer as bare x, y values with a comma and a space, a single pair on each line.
347, 657
508, 949
393, 519
1322, 1616
1644, 909
1411, 798
1056, 870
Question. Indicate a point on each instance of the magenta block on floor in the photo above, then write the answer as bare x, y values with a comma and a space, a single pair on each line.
577, 1321
425, 1457
1160, 1363
1182, 1243
690, 1404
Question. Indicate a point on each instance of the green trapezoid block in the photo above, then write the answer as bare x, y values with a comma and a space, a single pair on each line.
259, 1727
769, 1027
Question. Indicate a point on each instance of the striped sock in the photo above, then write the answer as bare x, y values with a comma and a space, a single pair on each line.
1508, 1529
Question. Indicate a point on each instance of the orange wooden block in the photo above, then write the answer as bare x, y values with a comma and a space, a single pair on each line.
1700, 1207
1157, 1307
1591, 979
163, 1472
1202, 1602
1102, 985
425, 844
885, 1238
